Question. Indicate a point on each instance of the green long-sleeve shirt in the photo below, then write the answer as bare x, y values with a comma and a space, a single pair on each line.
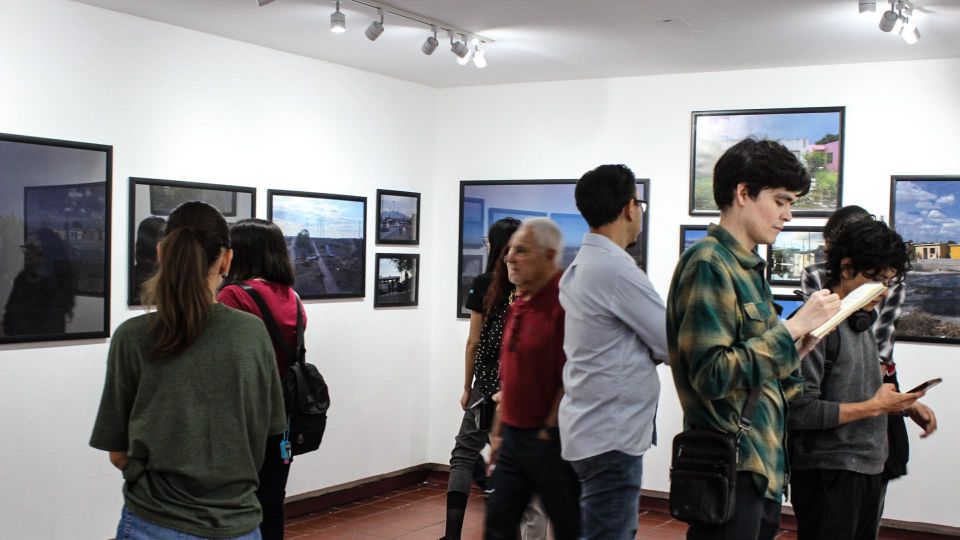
724, 338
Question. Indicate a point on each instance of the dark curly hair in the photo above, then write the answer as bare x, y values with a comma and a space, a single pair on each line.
871, 248
762, 165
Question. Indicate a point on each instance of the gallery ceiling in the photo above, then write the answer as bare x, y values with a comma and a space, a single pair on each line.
544, 40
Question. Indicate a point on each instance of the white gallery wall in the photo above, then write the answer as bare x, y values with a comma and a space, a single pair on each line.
901, 118
181, 105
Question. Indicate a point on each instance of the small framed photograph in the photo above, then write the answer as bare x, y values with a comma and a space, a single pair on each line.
54, 239
814, 135
326, 237
925, 210
689, 234
398, 280
789, 302
483, 202
398, 217
152, 201
795, 249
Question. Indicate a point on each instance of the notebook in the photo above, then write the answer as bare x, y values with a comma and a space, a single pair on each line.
852, 302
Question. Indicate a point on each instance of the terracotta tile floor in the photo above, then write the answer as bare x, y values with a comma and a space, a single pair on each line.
418, 512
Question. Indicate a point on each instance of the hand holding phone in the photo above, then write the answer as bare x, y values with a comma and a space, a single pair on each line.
926, 385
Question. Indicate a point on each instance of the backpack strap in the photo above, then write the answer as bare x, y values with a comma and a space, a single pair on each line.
271, 323
832, 352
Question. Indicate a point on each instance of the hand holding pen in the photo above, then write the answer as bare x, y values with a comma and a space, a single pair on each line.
816, 310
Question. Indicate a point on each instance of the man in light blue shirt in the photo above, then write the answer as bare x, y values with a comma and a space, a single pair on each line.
614, 338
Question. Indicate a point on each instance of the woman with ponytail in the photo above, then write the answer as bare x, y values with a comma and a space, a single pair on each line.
191, 395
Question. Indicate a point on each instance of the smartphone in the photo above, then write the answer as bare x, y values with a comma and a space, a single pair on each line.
926, 386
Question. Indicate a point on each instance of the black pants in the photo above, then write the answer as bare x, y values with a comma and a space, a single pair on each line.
755, 517
528, 465
272, 490
839, 505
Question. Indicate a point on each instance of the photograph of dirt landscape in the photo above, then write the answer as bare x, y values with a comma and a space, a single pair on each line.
926, 212
325, 237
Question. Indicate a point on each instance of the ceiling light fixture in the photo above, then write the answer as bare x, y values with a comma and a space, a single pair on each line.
458, 48
338, 21
431, 43
909, 33
262, 3
465, 59
376, 27
479, 59
897, 19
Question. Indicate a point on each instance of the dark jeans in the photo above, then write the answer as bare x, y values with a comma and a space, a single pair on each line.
466, 450
528, 465
839, 505
272, 490
609, 495
755, 517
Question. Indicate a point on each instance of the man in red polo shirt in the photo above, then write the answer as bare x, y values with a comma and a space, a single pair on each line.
525, 439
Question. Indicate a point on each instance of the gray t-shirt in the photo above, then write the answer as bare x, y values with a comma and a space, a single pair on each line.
818, 441
194, 425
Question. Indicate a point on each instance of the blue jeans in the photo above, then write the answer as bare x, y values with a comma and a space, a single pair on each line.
133, 527
609, 495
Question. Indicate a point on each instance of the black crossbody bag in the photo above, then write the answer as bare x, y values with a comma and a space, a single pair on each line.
703, 471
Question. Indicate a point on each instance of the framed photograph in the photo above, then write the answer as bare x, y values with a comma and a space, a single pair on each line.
795, 249
326, 236
814, 135
925, 210
398, 280
789, 302
689, 234
152, 201
398, 217
483, 202
54, 239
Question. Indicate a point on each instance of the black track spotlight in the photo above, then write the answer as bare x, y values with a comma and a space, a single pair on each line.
376, 27
431, 43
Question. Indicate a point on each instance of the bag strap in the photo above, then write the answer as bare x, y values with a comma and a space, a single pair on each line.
749, 409
271, 323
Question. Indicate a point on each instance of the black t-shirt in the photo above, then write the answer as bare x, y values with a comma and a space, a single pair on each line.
486, 367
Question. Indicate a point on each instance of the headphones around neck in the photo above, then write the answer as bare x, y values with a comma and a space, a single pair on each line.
861, 321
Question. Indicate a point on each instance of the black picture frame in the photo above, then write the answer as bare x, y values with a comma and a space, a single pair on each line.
925, 210
689, 234
343, 261
789, 302
713, 132
790, 261
146, 218
483, 200
402, 289
398, 217
55, 223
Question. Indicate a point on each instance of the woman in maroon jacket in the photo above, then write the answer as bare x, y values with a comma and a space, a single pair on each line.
261, 261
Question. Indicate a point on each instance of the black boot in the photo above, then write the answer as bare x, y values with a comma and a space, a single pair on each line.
456, 508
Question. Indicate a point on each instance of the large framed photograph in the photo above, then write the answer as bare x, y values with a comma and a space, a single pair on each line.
398, 217
690, 234
925, 210
795, 249
483, 202
326, 237
54, 239
814, 135
398, 280
152, 201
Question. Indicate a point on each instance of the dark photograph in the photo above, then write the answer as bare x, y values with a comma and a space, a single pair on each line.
398, 280
925, 210
54, 239
152, 200
398, 217
326, 238
482, 203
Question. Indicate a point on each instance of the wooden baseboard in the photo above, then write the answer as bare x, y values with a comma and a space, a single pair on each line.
651, 500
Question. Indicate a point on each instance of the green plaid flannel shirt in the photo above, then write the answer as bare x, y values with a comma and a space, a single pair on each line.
724, 338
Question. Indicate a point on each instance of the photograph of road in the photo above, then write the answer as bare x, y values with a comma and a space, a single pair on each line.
397, 279
398, 217
325, 237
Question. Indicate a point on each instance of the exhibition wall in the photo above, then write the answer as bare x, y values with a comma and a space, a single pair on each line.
182, 105
901, 118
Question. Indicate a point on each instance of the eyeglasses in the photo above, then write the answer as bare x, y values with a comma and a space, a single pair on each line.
642, 204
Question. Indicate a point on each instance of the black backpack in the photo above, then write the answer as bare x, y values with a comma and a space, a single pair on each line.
304, 390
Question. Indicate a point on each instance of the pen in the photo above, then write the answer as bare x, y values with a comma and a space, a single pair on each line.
800, 293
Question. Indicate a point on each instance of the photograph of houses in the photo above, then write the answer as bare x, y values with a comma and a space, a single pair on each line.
398, 217
926, 212
398, 277
815, 136
482, 203
795, 249
325, 237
